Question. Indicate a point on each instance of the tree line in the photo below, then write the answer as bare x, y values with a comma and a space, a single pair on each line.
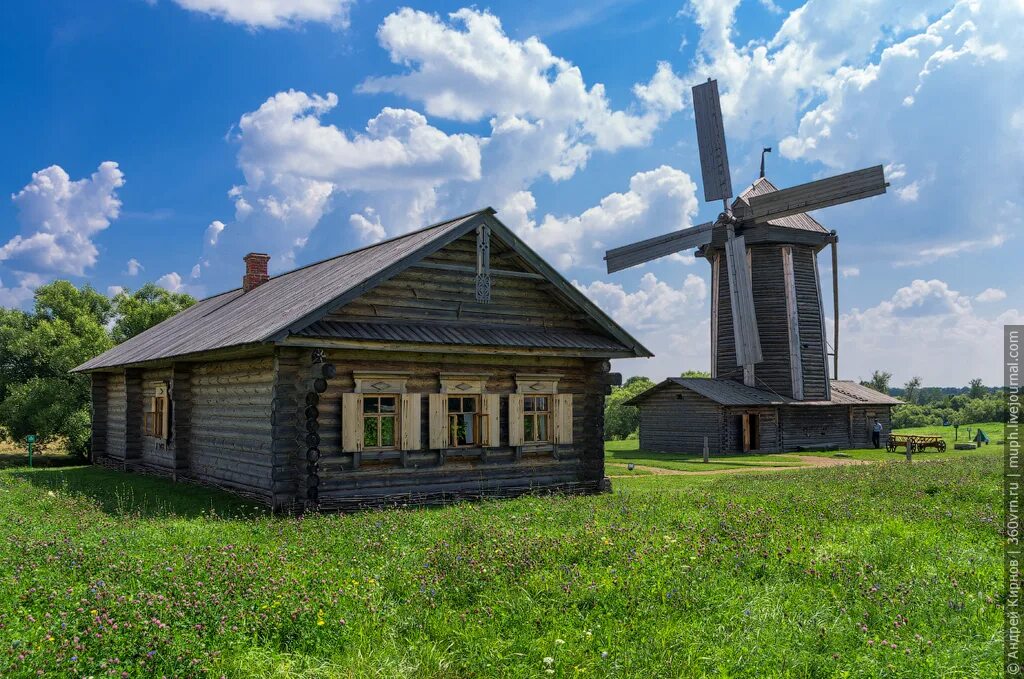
67, 326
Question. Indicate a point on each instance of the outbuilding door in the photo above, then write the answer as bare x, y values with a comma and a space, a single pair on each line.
750, 432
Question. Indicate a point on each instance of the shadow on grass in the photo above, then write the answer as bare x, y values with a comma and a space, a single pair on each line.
753, 460
11, 459
128, 494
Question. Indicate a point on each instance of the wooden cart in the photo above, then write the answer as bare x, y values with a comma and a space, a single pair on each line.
918, 443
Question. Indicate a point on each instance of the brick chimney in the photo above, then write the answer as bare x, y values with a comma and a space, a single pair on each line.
255, 270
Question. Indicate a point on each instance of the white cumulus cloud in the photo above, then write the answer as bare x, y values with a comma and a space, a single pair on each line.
59, 218
991, 295
273, 13
659, 200
134, 267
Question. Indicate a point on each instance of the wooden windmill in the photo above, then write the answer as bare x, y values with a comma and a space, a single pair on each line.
767, 325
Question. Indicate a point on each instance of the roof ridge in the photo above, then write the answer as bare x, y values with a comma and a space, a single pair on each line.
386, 241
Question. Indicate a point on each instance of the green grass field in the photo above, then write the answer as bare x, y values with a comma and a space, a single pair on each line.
624, 452
876, 570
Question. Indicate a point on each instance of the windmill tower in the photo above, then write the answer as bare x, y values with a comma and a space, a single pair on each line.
767, 325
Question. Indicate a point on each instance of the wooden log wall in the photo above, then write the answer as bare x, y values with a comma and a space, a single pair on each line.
116, 417
806, 425
425, 294
433, 476
732, 430
157, 453
98, 412
862, 419
181, 417
231, 425
288, 462
133, 417
676, 420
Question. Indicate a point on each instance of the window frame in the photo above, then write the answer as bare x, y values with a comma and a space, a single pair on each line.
528, 415
153, 418
379, 416
480, 421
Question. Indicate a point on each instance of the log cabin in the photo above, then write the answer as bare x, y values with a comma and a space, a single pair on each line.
787, 401
679, 413
450, 362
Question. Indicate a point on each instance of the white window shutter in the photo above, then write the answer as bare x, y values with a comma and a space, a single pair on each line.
411, 422
515, 419
162, 390
563, 418
351, 423
491, 406
438, 405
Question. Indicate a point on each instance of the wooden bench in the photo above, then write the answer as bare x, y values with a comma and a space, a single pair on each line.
918, 443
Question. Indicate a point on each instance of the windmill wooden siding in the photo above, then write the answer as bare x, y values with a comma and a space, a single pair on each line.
266, 418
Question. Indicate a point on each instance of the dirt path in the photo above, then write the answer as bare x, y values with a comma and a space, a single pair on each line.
808, 461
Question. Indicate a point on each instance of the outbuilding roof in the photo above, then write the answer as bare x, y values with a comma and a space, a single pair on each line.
732, 393
288, 303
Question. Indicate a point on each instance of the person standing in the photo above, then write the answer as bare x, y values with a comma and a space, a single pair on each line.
876, 434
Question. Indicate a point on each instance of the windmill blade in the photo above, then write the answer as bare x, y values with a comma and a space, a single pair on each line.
659, 246
714, 160
842, 188
741, 297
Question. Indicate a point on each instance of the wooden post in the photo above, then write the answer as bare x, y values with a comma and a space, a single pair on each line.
909, 444
706, 455
835, 306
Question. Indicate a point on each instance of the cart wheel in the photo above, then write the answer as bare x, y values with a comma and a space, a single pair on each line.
942, 447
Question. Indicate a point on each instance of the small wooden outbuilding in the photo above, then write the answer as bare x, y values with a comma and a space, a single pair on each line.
448, 362
677, 414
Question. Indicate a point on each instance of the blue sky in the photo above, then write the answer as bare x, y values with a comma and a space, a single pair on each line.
308, 128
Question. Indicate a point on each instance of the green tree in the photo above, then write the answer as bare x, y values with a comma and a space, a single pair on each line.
38, 394
977, 388
912, 390
144, 308
620, 421
695, 373
879, 381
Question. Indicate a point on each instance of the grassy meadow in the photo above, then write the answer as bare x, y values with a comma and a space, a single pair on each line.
885, 569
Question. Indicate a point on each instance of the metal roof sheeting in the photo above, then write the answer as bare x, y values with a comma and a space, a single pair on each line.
465, 335
731, 393
237, 318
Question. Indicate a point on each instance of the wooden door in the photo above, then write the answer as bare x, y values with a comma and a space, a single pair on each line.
745, 424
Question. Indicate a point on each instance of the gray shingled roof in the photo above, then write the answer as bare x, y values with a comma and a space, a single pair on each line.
731, 393
291, 301
802, 221
425, 333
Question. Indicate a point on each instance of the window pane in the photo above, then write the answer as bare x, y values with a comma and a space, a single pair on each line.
528, 403
387, 404
469, 405
542, 428
528, 428
370, 432
541, 403
387, 432
370, 404
454, 405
